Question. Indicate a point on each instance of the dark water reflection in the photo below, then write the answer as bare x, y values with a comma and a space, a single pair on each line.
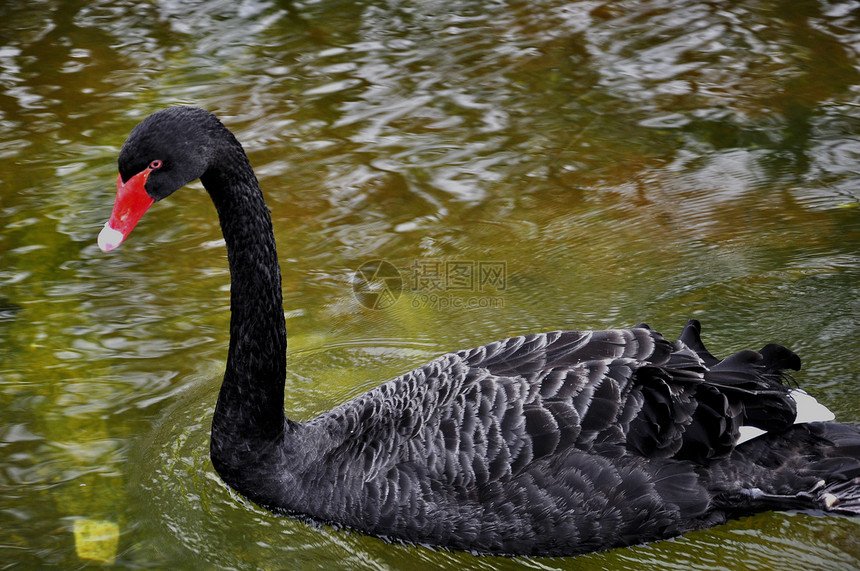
626, 161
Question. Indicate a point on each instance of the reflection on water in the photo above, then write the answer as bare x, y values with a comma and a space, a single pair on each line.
626, 161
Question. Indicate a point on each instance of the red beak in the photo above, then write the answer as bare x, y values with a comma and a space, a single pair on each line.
131, 203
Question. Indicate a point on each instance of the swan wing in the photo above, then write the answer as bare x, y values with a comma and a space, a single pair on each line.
558, 422
483, 414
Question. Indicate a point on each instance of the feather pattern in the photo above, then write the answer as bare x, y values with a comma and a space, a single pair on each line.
557, 443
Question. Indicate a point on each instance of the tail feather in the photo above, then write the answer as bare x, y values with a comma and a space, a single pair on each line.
756, 382
692, 338
777, 358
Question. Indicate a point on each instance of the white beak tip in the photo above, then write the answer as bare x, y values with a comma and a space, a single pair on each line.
109, 238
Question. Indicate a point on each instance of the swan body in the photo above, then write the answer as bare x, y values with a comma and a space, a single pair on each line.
546, 444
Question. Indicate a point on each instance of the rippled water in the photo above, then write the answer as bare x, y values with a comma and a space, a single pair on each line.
617, 161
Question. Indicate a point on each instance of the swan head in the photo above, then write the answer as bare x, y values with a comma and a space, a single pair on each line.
163, 153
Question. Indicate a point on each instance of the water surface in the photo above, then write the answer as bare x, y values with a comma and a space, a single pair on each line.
612, 162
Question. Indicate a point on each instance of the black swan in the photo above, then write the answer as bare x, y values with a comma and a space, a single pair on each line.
547, 444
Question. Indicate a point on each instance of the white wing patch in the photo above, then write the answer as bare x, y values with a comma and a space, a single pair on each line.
808, 410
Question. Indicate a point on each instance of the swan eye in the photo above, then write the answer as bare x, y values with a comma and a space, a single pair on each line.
156, 164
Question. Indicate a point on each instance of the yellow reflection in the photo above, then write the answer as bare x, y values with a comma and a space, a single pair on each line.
96, 540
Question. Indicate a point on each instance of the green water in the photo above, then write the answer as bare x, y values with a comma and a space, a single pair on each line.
601, 163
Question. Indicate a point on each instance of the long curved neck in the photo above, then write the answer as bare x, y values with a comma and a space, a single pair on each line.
250, 405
